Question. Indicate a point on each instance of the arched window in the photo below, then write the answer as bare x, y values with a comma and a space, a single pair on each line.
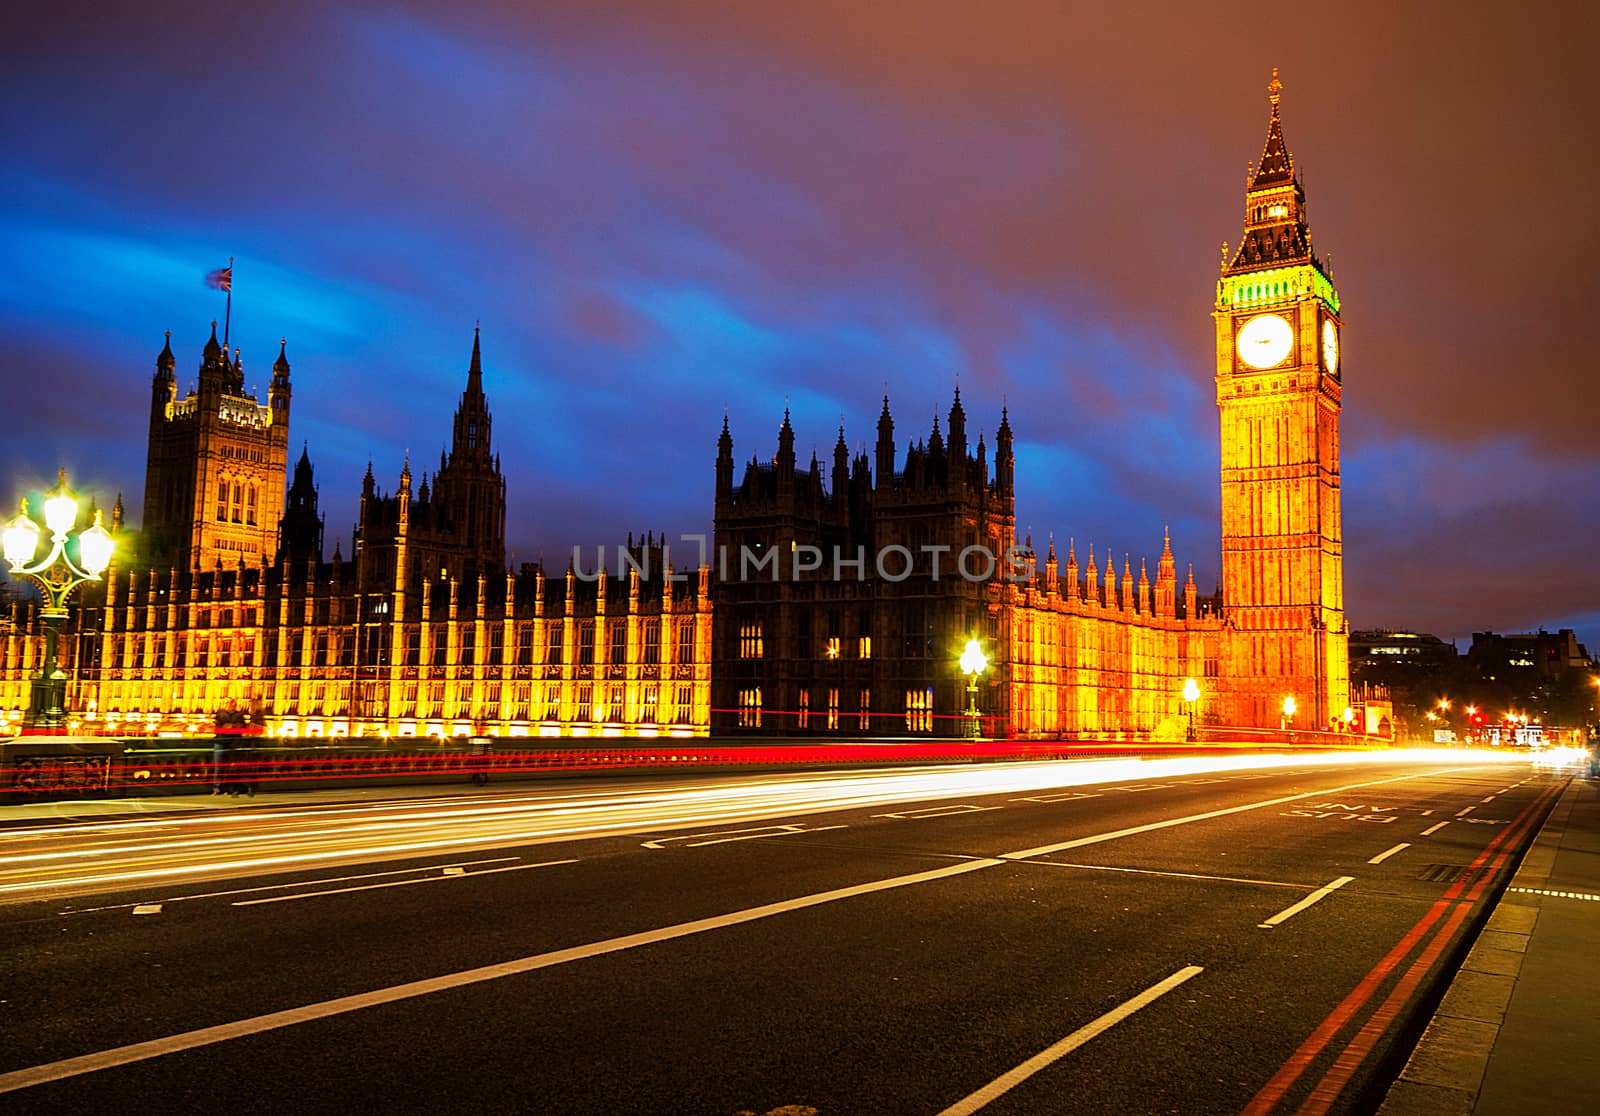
238, 500
222, 500
250, 505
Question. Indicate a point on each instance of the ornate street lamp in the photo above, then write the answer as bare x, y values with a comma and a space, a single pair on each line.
1289, 707
973, 663
57, 574
1191, 694
1349, 718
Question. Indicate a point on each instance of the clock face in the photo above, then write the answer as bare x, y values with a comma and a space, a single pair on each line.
1330, 348
1265, 341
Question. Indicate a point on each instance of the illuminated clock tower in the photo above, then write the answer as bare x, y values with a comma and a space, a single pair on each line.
1278, 391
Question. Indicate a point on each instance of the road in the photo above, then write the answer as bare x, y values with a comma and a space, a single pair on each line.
1016, 939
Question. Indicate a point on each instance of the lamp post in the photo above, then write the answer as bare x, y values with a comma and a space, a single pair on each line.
1191, 694
1289, 707
973, 663
57, 574
1349, 719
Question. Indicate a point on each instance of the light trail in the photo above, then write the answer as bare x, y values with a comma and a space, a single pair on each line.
62, 860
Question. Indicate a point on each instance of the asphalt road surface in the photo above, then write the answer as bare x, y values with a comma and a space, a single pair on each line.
1016, 939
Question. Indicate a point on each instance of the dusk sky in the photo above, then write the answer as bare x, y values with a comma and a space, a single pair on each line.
662, 210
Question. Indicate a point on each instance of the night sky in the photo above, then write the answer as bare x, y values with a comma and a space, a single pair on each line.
663, 210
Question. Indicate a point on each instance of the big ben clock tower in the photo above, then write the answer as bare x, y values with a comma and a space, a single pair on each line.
1278, 391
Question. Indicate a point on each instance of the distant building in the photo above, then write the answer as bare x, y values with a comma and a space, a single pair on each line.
1380, 649
1549, 654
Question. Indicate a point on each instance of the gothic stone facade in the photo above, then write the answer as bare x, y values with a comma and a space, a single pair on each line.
425, 631
214, 478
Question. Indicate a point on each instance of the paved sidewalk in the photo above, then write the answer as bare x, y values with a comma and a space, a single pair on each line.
1518, 1032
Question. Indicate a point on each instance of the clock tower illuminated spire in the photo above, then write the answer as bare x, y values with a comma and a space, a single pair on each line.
1278, 394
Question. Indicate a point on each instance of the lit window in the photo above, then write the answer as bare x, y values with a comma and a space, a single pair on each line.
750, 708
919, 710
832, 650
751, 645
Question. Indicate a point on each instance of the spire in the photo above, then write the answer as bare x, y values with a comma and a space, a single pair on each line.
1276, 231
280, 367
166, 362
884, 479
476, 367
785, 458
1277, 164
213, 350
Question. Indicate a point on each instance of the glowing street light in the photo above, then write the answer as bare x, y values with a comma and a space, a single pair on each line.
1349, 719
1289, 707
57, 574
973, 662
1191, 694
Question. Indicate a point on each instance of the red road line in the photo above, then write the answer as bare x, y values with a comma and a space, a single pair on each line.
1296, 1064
1349, 1060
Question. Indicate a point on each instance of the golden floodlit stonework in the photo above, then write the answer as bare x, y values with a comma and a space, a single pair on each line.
225, 611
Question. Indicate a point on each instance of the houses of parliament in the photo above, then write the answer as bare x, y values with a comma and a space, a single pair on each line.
228, 601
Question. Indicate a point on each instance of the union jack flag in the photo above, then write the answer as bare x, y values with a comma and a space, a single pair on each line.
221, 279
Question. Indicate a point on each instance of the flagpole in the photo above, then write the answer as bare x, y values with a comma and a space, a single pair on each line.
227, 314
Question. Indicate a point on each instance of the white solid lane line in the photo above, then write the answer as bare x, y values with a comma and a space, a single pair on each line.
457, 874
1432, 829
206, 1036
1055, 1052
1387, 853
1321, 893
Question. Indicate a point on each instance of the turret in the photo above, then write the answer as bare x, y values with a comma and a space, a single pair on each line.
278, 394
213, 371
1072, 570
884, 477
784, 461
1166, 580
1190, 596
404, 495
1092, 584
1004, 461
841, 469
724, 464
958, 445
164, 388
